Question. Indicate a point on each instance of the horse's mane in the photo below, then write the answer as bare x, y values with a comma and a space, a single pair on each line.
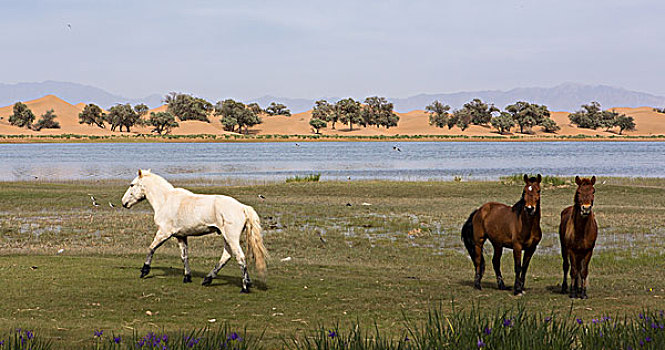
162, 181
519, 206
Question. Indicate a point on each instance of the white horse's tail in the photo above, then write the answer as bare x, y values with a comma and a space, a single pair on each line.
255, 245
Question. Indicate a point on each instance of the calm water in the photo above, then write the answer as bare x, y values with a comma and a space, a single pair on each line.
333, 160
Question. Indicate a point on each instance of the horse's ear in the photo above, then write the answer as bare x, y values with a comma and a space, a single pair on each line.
593, 180
140, 173
526, 178
578, 181
539, 178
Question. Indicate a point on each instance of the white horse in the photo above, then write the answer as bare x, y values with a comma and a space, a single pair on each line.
180, 213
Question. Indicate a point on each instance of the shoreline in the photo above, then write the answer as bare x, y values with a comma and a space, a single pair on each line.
213, 138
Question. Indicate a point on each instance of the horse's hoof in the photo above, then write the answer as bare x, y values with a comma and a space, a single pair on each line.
502, 286
207, 281
145, 270
564, 289
244, 291
187, 279
477, 286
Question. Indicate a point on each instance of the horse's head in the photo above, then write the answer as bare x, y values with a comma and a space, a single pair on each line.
531, 193
584, 194
136, 191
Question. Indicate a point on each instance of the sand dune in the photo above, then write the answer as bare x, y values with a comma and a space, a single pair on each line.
415, 122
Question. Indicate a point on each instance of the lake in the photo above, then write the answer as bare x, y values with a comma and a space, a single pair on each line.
252, 162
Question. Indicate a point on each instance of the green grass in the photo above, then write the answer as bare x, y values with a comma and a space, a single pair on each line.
306, 178
400, 256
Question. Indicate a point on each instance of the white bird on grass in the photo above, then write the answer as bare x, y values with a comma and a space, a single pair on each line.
94, 202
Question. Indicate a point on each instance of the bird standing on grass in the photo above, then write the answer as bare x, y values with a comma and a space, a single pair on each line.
94, 202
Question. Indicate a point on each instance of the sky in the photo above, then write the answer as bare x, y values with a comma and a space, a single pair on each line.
312, 49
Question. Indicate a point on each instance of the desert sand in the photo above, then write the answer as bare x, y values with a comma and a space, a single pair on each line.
648, 123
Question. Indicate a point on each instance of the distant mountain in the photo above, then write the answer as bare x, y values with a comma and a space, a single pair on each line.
70, 92
564, 97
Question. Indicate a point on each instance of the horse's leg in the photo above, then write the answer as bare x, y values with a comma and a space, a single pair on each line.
226, 255
566, 265
232, 232
182, 243
585, 273
496, 262
574, 273
517, 257
159, 239
528, 253
479, 263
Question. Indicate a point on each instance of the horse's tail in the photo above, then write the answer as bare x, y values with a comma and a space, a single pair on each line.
467, 236
255, 245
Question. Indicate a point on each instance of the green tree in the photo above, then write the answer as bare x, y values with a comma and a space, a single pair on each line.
278, 109
188, 107
503, 122
254, 107
92, 114
589, 117
527, 115
348, 112
324, 111
479, 111
624, 122
461, 118
47, 121
317, 124
659, 110
236, 114
378, 111
22, 117
162, 122
438, 114
549, 125
122, 115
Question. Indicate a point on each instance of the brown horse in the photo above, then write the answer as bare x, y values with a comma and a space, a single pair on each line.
578, 231
516, 227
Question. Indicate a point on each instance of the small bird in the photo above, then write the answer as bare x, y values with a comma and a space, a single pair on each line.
262, 197
396, 148
348, 204
60, 251
111, 205
348, 178
323, 240
94, 202
297, 145
69, 26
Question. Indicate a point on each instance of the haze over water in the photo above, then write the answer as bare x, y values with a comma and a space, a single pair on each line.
249, 162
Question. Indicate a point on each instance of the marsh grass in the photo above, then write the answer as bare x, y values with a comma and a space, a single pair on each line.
306, 178
371, 264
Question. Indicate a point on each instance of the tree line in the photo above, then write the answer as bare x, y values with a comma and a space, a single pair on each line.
373, 111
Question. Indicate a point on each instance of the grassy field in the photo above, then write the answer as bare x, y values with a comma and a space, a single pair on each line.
399, 256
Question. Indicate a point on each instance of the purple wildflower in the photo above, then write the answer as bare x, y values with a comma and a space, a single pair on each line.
487, 330
2, 342
647, 339
406, 338
600, 333
641, 342
165, 338
29, 335
654, 325
579, 321
507, 322
140, 343
641, 316
117, 339
234, 336
332, 334
548, 319
480, 343
661, 313
99, 333
594, 321
193, 342
605, 318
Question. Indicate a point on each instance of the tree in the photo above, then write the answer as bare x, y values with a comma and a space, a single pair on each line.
254, 107
278, 109
438, 114
549, 125
122, 115
348, 112
479, 111
162, 122
22, 117
92, 114
589, 117
236, 114
324, 111
503, 122
527, 115
188, 107
317, 124
659, 110
378, 111
625, 122
47, 121
461, 118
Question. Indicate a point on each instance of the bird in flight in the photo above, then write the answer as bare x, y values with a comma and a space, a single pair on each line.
69, 26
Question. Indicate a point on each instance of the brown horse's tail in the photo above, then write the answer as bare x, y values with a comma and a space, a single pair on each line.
255, 245
467, 236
